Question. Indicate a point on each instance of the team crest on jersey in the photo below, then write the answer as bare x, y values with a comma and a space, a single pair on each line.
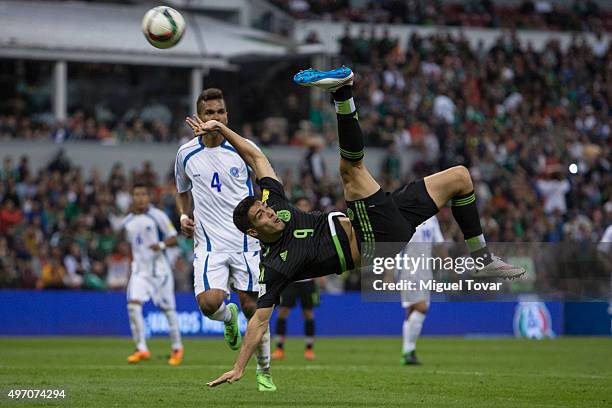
350, 214
284, 215
283, 255
264, 195
234, 171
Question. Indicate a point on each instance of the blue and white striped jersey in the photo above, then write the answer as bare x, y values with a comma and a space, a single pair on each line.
144, 230
218, 179
429, 231
426, 233
420, 246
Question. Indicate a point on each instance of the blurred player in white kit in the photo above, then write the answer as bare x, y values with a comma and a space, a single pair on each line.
211, 179
149, 232
416, 302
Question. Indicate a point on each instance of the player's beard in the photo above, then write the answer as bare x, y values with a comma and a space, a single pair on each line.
213, 135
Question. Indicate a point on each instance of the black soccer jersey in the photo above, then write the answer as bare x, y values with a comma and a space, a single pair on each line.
306, 248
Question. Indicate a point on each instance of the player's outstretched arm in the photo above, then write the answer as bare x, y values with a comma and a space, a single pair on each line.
255, 331
249, 152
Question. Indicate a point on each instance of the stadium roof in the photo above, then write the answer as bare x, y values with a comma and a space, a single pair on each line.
75, 31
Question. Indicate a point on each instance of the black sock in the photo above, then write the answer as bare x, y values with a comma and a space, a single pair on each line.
350, 137
343, 94
281, 330
309, 332
465, 212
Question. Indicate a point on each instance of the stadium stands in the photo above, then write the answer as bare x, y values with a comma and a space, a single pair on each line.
516, 116
543, 15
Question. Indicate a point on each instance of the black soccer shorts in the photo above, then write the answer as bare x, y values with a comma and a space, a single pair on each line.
390, 218
306, 291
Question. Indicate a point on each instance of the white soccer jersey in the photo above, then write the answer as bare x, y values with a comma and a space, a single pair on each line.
144, 230
429, 231
605, 245
426, 233
218, 179
420, 245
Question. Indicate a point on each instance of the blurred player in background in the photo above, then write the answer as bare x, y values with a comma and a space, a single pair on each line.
307, 291
605, 255
416, 302
211, 179
149, 232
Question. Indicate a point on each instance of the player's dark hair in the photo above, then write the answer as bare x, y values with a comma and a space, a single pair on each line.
209, 94
140, 184
241, 214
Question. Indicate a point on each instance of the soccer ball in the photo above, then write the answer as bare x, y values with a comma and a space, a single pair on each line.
163, 26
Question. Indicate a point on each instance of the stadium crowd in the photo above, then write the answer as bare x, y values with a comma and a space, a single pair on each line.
540, 14
60, 229
532, 126
518, 118
80, 126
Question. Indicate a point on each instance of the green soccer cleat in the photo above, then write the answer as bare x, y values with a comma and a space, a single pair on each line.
410, 359
232, 335
264, 381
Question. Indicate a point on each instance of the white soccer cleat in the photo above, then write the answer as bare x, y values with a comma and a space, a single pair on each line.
329, 80
498, 269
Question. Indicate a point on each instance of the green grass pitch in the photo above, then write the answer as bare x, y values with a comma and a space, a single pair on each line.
348, 372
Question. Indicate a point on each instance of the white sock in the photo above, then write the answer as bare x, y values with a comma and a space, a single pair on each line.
262, 352
137, 326
411, 330
223, 314
476, 243
345, 107
173, 326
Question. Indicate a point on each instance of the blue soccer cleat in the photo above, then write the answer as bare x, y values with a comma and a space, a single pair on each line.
329, 80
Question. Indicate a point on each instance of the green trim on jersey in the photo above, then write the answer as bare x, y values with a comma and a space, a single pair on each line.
366, 228
340, 252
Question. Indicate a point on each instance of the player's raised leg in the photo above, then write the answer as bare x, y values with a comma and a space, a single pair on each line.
455, 184
137, 327
361, 192
357, 180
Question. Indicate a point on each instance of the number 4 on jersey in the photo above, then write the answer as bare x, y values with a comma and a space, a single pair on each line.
215, 183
